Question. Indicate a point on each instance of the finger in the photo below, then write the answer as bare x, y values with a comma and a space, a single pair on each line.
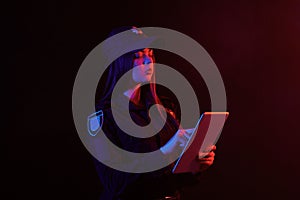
187, 136
211, 154
189, 131
206, 155
183, 135
182, 141
213, 148
180, 132
182, 145
205, 159
201, 155
206, 163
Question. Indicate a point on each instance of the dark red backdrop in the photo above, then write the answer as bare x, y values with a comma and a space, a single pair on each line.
255, 44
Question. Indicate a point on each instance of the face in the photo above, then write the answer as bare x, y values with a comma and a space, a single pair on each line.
143, 66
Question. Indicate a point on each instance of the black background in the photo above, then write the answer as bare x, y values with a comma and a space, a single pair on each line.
255, 45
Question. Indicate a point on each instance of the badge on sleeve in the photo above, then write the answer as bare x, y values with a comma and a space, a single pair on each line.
95, 122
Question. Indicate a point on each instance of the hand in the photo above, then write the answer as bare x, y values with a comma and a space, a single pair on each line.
176, 144
206, 161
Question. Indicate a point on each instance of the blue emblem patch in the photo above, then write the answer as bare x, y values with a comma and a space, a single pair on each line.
95, 122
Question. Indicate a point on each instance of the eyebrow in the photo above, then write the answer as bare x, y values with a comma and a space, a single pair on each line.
145, 50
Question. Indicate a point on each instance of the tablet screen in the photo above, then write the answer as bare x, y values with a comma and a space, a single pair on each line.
205, 134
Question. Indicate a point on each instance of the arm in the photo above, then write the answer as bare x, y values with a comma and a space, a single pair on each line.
117, 182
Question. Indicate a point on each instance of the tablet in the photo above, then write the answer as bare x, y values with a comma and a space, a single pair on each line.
206, 133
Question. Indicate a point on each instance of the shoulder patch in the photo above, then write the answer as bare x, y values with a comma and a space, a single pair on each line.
95, 122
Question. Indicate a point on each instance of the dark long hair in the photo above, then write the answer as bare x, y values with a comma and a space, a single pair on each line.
146, 96
115, 71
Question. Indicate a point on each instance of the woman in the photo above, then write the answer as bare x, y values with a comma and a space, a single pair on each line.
160, 184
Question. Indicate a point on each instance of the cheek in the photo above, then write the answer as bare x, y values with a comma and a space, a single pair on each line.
151, 65
136, 74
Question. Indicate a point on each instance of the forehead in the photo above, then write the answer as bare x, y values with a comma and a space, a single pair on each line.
146, 50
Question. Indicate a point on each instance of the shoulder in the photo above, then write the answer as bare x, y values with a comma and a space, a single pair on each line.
108, 116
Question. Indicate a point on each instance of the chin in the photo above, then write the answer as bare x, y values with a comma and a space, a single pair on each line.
147, 80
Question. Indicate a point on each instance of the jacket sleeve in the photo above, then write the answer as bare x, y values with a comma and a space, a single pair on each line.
116, 182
